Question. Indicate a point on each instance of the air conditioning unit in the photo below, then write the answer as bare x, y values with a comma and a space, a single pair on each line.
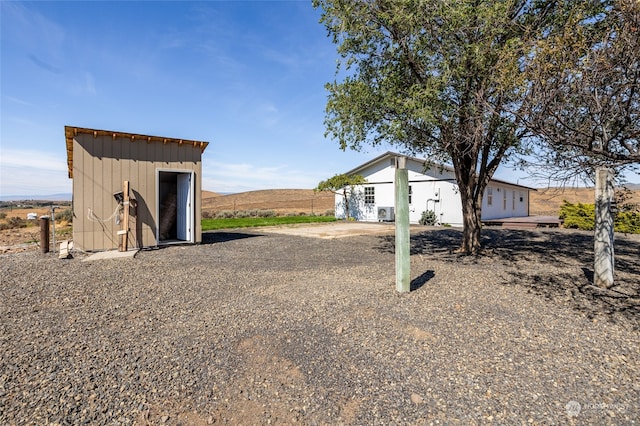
385, 214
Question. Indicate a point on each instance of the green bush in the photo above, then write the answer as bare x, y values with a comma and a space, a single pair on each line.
582, 216
577, 216
628, 222
428, 218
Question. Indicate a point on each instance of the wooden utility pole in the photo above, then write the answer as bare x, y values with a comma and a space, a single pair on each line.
124, 246
403, 245
603, 238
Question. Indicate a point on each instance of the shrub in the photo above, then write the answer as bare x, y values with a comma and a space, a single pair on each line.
428, 218
582, 216
577, 216
3, 215
330, 212
16, 222
628, 222
225, 214
266, 213
66, 215
206, 215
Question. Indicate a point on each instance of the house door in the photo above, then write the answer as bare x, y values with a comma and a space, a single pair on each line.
175, 206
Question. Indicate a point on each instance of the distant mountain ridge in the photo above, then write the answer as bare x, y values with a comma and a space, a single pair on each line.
49, 197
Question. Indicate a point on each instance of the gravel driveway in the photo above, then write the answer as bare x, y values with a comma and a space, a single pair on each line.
262, 328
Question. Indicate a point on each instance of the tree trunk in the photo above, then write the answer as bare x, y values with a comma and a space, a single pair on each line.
346, 204
471, 214
603, 237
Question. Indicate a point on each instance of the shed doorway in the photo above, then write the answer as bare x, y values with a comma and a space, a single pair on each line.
175, 207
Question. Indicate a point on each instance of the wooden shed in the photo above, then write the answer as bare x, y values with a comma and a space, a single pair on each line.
164, 176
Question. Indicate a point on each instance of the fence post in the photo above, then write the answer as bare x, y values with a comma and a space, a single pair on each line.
403, 245
44, 234
603, 238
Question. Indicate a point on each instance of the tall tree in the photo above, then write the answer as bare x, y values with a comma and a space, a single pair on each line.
586, 82
341, 184
438, 77
586, 79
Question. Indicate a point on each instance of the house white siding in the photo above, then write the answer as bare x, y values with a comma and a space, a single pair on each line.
432, 189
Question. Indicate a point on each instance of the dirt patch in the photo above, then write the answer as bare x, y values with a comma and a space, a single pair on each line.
332, 230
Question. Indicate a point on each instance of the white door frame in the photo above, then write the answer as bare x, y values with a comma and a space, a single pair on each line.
188, 198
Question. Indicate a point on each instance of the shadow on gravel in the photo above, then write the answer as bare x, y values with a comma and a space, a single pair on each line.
418, 282
532, 259
214, 237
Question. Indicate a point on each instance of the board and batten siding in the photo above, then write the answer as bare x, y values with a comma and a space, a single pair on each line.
100, 166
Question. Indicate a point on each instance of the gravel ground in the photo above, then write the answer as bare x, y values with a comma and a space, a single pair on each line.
252, 328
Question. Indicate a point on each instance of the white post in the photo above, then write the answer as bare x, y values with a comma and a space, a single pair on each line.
403, 244
603, 237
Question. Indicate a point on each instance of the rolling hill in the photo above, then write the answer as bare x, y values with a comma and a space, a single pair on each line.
544, 201
282, 201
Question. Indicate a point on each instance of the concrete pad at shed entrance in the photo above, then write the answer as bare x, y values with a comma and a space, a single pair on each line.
111, 254
332, 229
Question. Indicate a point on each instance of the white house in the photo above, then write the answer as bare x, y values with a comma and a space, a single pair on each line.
431, 187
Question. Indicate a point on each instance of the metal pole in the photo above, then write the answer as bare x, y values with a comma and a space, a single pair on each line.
603, 238
53, 225
403, 245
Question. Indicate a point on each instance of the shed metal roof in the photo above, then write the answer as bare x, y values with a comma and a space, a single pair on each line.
70, 132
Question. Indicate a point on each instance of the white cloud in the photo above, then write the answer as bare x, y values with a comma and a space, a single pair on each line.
239, 177
30, 172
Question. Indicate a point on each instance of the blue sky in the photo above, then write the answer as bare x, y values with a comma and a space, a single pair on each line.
246, 76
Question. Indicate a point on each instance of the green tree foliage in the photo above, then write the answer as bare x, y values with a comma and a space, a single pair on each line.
438, 77
582, 216
341, 184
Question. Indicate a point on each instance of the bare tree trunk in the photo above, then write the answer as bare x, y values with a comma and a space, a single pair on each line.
471, 223
346, 204
603, 237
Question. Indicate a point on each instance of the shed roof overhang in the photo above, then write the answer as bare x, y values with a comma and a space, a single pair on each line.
70, 132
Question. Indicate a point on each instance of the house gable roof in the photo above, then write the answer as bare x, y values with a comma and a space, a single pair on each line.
389, 154
70, 132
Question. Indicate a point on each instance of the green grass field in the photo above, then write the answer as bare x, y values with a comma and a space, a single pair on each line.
248, 222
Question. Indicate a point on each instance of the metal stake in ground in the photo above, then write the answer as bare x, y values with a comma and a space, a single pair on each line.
403, 264
603, 238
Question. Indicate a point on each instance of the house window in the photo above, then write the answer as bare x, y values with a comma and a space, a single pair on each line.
410, 194
504, 200
369, 195
489, 196
521, 197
